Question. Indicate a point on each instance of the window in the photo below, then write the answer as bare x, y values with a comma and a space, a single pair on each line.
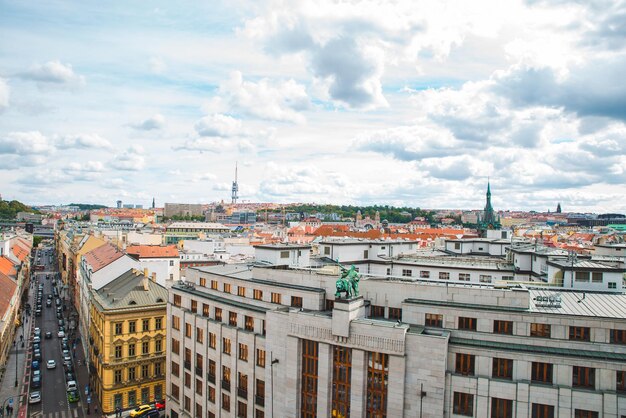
158, 371
407, 272
212, 340
377, 381
296, 301
199, 335
465, 364
211, 371
132, 326
199, 364
540, 330
501, 408
484, 278
241, 291
326, 250
132, 373
225, 345
502, 368
218, 314
463, 404
117, 376
158, 323
242, 409
424, 274
203, 281
206, 310
366, 254
132, 398
187, 363
198, 406
541, 372
377, 311
131, 349
583, 377
187, 330
175, 391
388, 272
258, 294
260, 357
175, 322
118, 328
225, 402
582, 413
618, 336
395, 313
171, 263
243, 352
226, 287
214, 284
596, 277
276, 298
226, 374
284, 254
118, 351
434, 320
145, 347
612, 285
444, 275
260, 392
177, 300
620, 381
342, 370
464, 277
542, 411
232, 319
579, 333
249, 323
242, 384
194, 306
211, 394
467, 323
308, 393
503, 327
145, 370
175, 346
582, 276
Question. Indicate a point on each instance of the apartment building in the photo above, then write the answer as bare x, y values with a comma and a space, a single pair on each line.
246, 341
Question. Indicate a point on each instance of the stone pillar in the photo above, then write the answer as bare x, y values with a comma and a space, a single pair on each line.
344, 311
324, 380
358, 384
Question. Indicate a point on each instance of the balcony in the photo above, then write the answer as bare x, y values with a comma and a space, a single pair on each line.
211, 378
226, 385
259, 400
242, 392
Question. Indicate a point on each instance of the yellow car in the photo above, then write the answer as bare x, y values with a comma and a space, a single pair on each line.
137, 412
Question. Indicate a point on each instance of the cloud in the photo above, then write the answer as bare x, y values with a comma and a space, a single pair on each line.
154, 122
53, 73
89, 167
203, 177
157, 65
449, 168
130, 160
4, 95
82, 141
24, 143
266, 99
218, 125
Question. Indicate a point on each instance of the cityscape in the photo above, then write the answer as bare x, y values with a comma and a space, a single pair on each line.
313, 209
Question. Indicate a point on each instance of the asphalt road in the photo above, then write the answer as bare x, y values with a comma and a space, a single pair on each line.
54, 403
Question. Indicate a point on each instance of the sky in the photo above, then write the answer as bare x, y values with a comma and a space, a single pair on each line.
415, 103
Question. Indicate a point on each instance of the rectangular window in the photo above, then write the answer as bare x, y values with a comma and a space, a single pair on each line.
466, 323
465, 364
596, 277
132, 373
132, 326
199, 335
226, 287
218, 314
342, 371
618, 336
258, 294
326, 250
131, 349
225, 345
158, 345
175, 322
118, 328
242, 385
260, 393
211, 371
433, 320
407, 272
232, 319
194, 306
243, 352
308, 394
206, 310
171, 263
284, 254
158, 371
214, 284
579, 333
177, 300
249, 323
296, 301
540, 330
158, 323
260, 357
198, 406
175, 391
395, 313
187, 363
620, 381
211, 394
212, 340
118, 351
242, 409
377, 311
583, 413
203, 281
542, 411
444, 275
463, 404
541, 372
582, 276
145, 370
503, 327
187, 330
241, 291
464, 277
117, 376
502, 368
484, 278
145, 325
583, 377
132, 398
175, 346
501, 408
145, 347
377, 381
424, 274
225, 402
199, 364
276, 298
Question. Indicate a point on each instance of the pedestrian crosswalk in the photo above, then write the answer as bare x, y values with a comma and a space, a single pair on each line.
73, 413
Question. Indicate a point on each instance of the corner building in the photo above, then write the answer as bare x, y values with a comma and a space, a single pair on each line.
266, 341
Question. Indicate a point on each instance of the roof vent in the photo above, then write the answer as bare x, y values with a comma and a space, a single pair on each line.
132, 302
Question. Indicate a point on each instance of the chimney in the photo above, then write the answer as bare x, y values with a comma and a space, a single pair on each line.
145, 272
154, 277
145, 281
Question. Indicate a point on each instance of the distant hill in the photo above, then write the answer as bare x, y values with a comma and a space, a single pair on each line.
85, 206
9, 209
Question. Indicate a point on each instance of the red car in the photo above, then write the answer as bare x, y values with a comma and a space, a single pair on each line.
160, 405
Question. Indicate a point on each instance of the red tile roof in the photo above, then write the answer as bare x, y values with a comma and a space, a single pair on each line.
102, 256
7, 290
152, 251
20, 252
7, 267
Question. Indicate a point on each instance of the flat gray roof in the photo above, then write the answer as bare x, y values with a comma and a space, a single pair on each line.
600, 305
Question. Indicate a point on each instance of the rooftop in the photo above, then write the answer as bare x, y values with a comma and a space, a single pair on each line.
601, 305
102, 256
127, 291
8, 287
197, 225
153, 251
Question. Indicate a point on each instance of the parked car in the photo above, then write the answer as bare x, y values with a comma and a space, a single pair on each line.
51, 364
73, 396
34, 397
61, 334
160, 405
48, 303
34, 365
153, 413
139, 411
71, 385
48, 335
37, 331
35, 382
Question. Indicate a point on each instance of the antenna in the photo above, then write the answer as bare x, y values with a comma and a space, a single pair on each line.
235, 188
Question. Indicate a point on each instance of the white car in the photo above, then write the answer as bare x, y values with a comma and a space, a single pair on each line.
61, 334
35, 397
51, 364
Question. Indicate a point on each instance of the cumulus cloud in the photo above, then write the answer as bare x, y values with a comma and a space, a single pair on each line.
23, 143
4, 95
154, 122
89, 166
130, 160
53, 73
218, 125
81, 141
203, 177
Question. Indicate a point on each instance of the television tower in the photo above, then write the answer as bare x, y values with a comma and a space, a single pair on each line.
235, 188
